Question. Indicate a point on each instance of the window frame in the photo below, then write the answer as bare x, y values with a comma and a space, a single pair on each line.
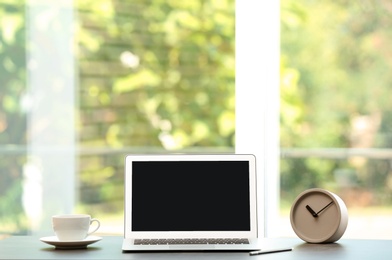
257, 101
49, 180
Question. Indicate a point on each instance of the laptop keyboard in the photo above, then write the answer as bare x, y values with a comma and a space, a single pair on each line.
192, 241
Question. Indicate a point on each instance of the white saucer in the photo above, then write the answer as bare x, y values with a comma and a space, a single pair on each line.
81, 244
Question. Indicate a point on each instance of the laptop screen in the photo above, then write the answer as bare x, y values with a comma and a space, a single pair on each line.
190, 196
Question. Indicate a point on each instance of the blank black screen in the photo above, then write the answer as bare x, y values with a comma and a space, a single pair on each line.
190, 196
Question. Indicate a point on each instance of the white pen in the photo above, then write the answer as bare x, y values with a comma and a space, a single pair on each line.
260, 252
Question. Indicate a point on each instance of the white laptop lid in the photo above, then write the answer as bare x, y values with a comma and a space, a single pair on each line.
190, 196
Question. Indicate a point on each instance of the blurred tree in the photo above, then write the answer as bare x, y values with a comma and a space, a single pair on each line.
153, 74
12, 114
335, 86
172, 67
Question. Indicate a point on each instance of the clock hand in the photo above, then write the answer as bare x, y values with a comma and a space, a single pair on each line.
314, 214
324, 207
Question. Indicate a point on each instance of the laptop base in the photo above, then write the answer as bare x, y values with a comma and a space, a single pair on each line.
129, 246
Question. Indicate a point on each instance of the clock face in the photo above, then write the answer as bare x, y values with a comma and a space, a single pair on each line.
315, 216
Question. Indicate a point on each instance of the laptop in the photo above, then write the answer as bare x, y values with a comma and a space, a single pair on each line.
190, 202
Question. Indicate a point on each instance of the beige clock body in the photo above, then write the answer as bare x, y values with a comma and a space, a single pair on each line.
319, 216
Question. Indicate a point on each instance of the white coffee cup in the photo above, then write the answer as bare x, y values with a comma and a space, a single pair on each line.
73, 227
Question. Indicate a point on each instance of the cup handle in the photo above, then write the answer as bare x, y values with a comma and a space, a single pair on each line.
96, 228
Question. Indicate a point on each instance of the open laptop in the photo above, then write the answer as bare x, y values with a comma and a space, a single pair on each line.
190, 202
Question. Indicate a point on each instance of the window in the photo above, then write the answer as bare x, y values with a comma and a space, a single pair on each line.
86, 82
111, 83
335, 109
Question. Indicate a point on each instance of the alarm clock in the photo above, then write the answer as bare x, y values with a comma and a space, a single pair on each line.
319, 216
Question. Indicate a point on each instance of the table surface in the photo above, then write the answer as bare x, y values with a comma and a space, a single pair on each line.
30, 247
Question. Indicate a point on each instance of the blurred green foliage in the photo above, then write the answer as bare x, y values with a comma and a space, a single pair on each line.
171, 63
153, 74
161, 74
335, 85
12, 114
